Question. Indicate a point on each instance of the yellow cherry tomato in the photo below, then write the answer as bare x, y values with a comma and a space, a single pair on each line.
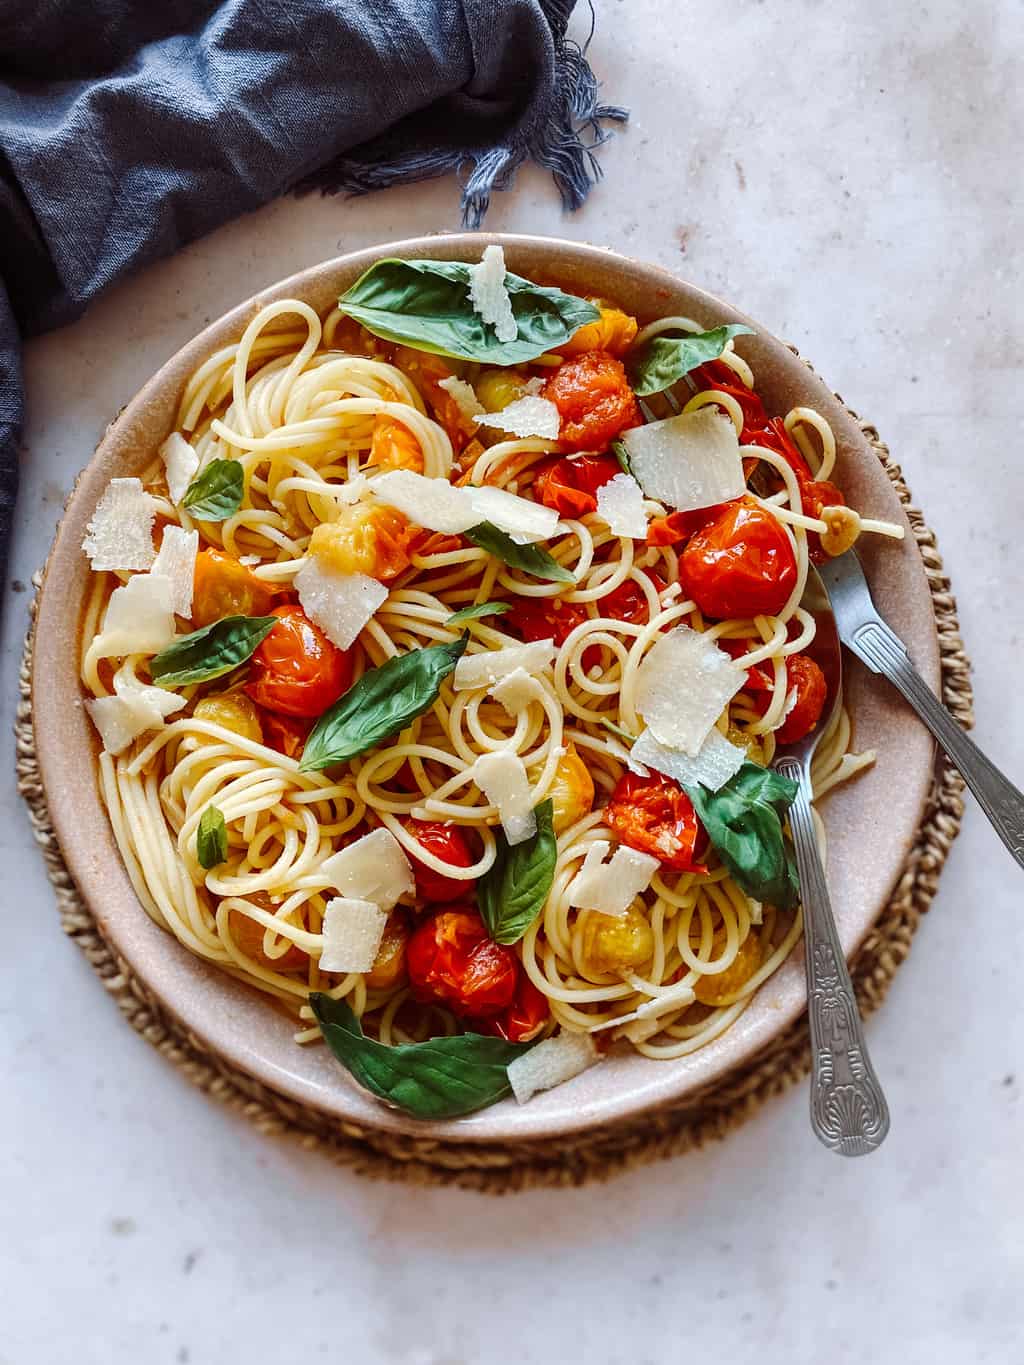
717, 989
394, 446
615, 331
389, 965
572, 791
613, 944
235, 712
367, 538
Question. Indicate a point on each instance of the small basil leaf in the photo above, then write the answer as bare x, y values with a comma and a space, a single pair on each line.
660, 362
216, 493
427, 305
530, 559
210, 652
475, 613
442, 1078
618, 449
624, 735
211, 838
381, 703
512, 892
744, 823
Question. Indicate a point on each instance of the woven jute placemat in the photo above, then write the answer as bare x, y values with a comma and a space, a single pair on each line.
597, 1155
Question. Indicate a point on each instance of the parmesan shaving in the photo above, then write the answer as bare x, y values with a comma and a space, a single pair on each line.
516, 691
352, 931
712, 765
120, 534
620, 502
689, 461
439, 506
528, 416
135, 708
464, 395
181, 464
373, 868
176, 560
502, 778
139, 618
552, 1062
491, 665
524, 520
488, 295
339, 603
611, 886
682, 687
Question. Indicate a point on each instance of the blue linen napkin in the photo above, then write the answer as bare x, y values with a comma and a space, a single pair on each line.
129, 127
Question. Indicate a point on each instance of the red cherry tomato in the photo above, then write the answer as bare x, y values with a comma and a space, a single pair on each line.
524, 1018
545, 618
223, 587
593, 396
803, 674
286, 734
654, 815
296, 669
678, 527
814, 493
740, 564
447, 842
716, 374
628, 602
452, 960
570, 486
760, 677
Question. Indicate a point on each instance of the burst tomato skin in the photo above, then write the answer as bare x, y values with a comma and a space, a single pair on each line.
716, 374
546, 618
593, 396
447, 842
286, 734
678, 527
740, 564
654, 815
570, 486
451, 960
811, 690
223, 587
296, 670
628, 602
524, 1018
760, 677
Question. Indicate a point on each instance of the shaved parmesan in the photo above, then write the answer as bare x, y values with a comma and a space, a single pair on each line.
434, 503
120, 534
491, 665
373, 868
675, 997
502, 778
712, 765
682, 687
140, 617
352, 931
516, 691
469, 406
620, 502
181, 463
176, 560
534, 386
134, 708
613, 886
488, 295
339, 603
551, 1063
524, 520
689, 461
529, 416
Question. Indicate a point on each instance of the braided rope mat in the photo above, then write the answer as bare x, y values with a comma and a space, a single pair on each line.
602, 1153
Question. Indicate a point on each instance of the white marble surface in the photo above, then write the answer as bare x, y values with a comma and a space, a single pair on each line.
847, 174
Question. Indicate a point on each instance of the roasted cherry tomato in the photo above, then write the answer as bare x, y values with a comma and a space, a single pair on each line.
426, 371
628, 602
394, 446
545, 618
447, 842
814, 493
286, 734
248, 935
524, 1018
366, 538
296, 669
388, 968
678, 527
760, 677
570, 486
774, 436
452, 960
614, 331
592, 394
223, 587
740, 564
716, 374
654, 815
803, 674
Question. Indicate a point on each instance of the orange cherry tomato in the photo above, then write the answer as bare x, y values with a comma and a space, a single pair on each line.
803, 674
452, 960
223, 587
654, 815
248, 936
426, 371
716, 374
740, 564
286, 734
593, 396
296, 669
570, 486
449, 843
394, 446
524, 1018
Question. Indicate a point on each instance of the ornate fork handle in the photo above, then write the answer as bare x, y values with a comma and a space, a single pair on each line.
848, 1110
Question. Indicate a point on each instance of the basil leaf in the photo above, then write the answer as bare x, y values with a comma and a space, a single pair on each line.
216, 493
618, 449
530, 558
442, 1078
476, 612
210, 652
426, 304
381, 703
512, 892
660, 362
744, 822
211, 838
624, 735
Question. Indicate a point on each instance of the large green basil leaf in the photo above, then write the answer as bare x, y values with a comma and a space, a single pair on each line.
381, 703
660, 362
476, 612
744, 823
442, 1078
426, 304
216, 493
530, 559
512, 892
210, 652
211, 838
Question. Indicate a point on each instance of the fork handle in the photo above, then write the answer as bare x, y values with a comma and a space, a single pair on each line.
848, 1110
884, 652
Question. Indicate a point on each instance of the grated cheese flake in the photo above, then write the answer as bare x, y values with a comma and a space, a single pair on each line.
689, 461
134, 708
620, 502
433, 503
502, 778
139, 617
489, 666
176, 560
552, 1062
525, 417
611, 886
682, 687
488, 295
181, 464
469, 406
712, 765
339, 603
516, 691
120, 534
352, 931
373, 868
524, 520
